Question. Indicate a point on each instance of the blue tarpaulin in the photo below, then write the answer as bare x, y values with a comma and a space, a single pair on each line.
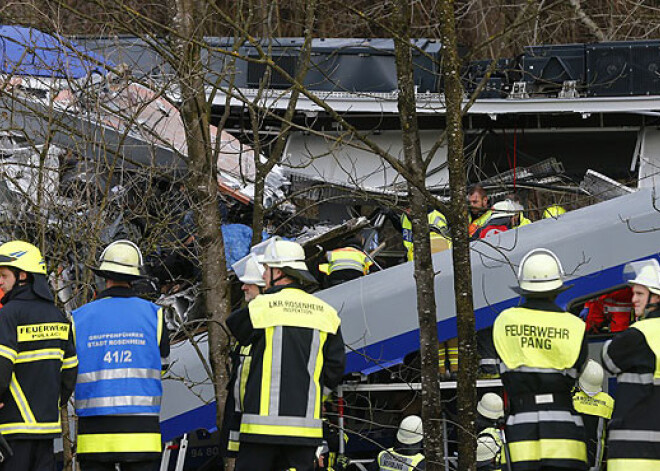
30, 52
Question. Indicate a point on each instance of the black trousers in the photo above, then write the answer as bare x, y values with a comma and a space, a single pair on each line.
30, 455
262, 457
88, 465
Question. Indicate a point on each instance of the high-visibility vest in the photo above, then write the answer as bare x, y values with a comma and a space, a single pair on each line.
118, 350
530, 340
478, 222
296, 326
390, 460
437, 224
601, 406
347, 258
523, 221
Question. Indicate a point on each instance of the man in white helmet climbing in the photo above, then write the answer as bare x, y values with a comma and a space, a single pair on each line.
541, 349
297, 352
122, 345
490, 411
595, 406
634, 356
408, 452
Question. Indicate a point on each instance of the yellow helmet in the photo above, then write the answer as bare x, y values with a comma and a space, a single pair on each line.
121, 260
22, 255
553, 211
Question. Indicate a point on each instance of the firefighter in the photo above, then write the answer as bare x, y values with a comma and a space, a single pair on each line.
123, 345
297, 351
504, 215
346, 263
634, 356
250, 273
479, 212
38, 361
595, 406
553, 211
490, 411
541, 350
408, 452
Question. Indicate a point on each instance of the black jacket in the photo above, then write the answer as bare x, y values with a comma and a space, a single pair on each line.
38, 363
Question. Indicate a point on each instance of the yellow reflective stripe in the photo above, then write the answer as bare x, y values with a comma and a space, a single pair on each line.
159, 327
284, 430
245, 372
8, 353
626, 464
70, 362
38, 355
266, 371
21, 401
38, 428
120, 442
233, 446
534, 450
317, 375
46, 331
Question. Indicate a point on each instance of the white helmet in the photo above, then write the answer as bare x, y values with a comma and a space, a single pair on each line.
410, 430
491, 406
505, 208
121, 261
540, 272
487, 448
647, 273
290, 257
591, 379
249, 271
260, 249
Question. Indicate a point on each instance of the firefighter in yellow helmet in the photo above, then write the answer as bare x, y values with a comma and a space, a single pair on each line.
297, 351
38, 363
553, 211
634, 355
123, 346
541, 349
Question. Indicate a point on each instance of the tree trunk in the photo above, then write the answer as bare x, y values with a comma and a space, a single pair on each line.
423, 264
202, 186
458, 218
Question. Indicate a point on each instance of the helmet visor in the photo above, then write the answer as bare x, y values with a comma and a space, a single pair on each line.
249, 271
260, 249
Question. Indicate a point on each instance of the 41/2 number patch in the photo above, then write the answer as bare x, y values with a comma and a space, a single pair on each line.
118, 356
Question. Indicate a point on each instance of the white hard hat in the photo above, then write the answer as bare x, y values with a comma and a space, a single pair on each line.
249, 271
491, 406
260, 249
540, 272
410, 431
288, 256
487, 448
121, 260
646, 272
505, 208
591, 379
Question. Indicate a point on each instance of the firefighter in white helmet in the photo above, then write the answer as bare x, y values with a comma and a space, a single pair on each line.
490, 412
634, 356
250, 273
595, 406
408, 451
297, 351
541, 350
123, 346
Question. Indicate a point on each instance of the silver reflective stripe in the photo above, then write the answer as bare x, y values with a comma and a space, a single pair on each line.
119, 373
572, 372
54, 428
635, 378
635, 436
118, 401
488, 361
255, 419
609, 364
237, 385
276, 372
543, 416
234, 435
346, 264
599, 443
311, 366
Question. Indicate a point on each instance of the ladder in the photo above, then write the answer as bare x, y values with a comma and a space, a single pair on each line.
182, 446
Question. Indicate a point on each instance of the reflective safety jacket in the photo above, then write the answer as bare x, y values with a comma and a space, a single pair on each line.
297, 351
596, 411
437, 225
347, 258
634, 431
478, 222
613, 308
391, 460
37, 365
541, 350
118, 393
231, 420
489, 443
